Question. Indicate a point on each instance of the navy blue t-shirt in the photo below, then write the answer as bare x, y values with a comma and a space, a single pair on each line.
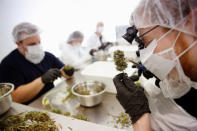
17, 70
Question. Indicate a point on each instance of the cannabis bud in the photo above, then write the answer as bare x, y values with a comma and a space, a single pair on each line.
120, 60
69, 70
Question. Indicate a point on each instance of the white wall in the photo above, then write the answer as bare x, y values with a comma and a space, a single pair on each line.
58, 18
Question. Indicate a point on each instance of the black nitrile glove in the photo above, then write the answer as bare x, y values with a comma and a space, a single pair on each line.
131, 97
134, 78
50, 75
92, 51
104, 46
147, 74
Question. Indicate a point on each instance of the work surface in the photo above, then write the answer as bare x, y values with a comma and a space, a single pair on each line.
98, 114
66, 123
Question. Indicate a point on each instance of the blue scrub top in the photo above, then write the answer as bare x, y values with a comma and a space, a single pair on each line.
17, 70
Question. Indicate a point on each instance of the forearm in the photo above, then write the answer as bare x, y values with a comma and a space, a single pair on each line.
28, 91
143, 124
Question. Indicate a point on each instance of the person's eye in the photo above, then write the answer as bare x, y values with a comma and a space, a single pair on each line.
32, 44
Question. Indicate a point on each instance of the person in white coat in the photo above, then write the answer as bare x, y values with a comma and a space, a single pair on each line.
72, 52
168, 46
97, 39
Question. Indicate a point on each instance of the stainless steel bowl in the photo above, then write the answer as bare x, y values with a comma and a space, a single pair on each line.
100, 56
5, 96
89, 93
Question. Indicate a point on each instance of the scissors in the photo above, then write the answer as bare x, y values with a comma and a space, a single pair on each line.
138, 65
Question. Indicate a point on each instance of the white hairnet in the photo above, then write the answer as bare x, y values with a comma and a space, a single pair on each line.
24, 30
76, 35
167, 13
180, 15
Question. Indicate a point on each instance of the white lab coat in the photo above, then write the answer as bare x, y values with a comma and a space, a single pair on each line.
94, 41
74, 55
166, 115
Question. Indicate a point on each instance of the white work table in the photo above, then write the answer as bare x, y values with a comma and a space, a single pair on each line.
66, 122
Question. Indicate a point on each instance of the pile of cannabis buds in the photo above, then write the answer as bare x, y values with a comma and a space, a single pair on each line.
28, 121
121, 121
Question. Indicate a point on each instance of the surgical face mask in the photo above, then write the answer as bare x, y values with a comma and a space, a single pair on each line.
34, 54
158, 65
167, 67
100, 29
77, 44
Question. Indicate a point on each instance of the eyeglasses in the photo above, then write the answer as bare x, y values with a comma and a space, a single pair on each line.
131, 34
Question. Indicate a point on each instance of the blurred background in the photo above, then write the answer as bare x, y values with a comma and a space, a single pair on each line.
58, 18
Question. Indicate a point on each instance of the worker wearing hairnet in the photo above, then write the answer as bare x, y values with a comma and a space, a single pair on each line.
29, 68
167, 48
72, 52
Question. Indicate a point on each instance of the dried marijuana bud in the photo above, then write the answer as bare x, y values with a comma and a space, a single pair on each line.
120, 60
69, 70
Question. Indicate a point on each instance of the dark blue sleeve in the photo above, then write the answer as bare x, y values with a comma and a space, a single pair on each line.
56, 62
10, 75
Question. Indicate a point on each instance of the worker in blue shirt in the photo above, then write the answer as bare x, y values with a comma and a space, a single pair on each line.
29, 68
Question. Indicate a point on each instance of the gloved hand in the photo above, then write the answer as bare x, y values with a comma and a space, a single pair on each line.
131, 97
134, 78
147, 74
50, 75
92, 51
104, 46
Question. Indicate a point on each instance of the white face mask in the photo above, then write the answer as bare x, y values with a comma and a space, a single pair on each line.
78, 44
34, 54
158, 65
100, 29
166, 66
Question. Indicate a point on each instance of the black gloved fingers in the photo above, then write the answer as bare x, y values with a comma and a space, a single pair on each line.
139, 73
57, 72
138, 53
118, 78
50, 75
134, 77
157, 82
147, 74
130, 85
53, 76
118, 82
91, 52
